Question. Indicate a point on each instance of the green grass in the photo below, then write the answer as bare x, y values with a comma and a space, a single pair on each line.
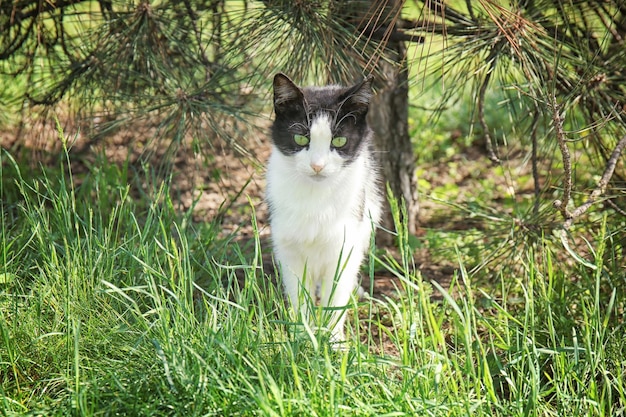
113, 306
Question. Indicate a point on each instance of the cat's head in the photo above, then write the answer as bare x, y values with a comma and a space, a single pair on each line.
321, 129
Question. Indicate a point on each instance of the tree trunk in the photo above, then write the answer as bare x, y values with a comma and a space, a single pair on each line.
389, 109
388, 117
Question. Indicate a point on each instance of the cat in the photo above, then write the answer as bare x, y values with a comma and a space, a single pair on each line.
322, 192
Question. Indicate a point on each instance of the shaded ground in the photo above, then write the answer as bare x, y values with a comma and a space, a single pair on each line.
226, 185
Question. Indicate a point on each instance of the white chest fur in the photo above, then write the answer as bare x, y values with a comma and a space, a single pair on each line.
307, 208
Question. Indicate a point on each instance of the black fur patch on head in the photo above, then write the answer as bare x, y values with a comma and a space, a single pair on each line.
297, 107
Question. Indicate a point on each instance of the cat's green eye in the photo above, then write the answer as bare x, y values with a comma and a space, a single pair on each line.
301, 140
339, 141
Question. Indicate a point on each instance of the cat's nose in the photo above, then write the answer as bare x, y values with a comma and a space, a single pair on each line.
317, 167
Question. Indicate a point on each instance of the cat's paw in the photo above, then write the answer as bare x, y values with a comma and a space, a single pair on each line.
338, 342
340, 346
361, 293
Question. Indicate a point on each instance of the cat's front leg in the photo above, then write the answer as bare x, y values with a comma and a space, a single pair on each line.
299, 287
336, 293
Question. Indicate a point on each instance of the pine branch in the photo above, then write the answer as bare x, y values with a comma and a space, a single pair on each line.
481, 108
448, 13
393, 34
20, 25
27, 9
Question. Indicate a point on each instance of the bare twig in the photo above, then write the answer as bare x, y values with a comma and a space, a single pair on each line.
602, 184
615, 207
570, 217
557, 120
534, 162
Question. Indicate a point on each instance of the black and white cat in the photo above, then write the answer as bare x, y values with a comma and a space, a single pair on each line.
322, 191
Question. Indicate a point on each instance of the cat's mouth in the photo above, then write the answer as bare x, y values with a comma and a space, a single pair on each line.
317, 177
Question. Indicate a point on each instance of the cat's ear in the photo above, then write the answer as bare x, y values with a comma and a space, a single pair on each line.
287, 95
358, 97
